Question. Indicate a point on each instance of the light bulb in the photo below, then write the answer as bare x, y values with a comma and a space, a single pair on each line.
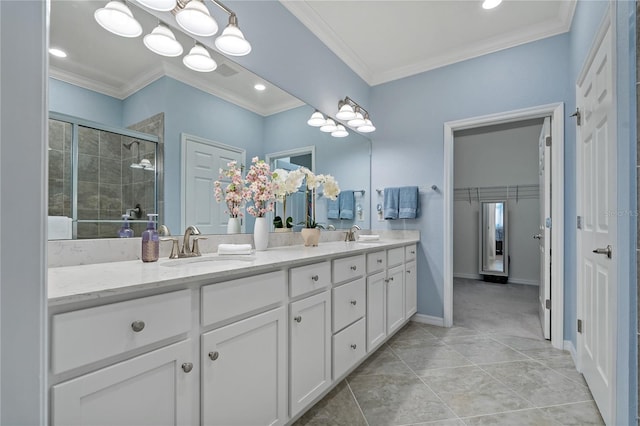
199, 59
232, 41
316, 119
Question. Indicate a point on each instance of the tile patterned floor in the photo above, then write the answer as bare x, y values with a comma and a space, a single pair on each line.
427, 375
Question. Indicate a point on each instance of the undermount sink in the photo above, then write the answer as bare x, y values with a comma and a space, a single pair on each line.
206, 259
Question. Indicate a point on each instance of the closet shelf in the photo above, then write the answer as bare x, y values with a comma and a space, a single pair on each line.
488, 193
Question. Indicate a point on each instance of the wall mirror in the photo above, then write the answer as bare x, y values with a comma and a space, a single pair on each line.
117, 83
494, 247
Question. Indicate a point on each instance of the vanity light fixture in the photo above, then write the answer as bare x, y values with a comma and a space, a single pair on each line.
116, 17
163, 42
199, 59
232, 41
340, 132
316, 119
490, 4
357, 117
329, 126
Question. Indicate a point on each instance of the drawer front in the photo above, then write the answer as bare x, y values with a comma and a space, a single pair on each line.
348, 268
230, 299
306, 279
410, 253
348, 348
395, 256
376, 262
81, 337
349, 303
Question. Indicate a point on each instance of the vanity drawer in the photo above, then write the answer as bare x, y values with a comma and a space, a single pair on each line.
348, 268
348, 348
234, 298
81, 337
410, 253
376, 261
349, 303
395, 256
306, 279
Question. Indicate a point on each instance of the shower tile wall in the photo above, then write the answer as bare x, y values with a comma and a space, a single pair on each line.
59, 168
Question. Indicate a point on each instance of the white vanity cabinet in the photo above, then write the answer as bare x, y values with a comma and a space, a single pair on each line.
244, 362
154, 388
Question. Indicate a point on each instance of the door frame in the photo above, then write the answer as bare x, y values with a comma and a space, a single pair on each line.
184, 139
556, 112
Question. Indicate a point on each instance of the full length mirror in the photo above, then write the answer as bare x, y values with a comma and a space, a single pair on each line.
118, 84
494, 254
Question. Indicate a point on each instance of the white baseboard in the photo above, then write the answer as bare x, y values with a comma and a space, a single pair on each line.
511, 279
428, 319
523, 282
568, 346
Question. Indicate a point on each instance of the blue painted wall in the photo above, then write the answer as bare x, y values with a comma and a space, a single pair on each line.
410, 113
69, 99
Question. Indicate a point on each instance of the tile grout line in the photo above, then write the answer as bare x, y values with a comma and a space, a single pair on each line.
357, 403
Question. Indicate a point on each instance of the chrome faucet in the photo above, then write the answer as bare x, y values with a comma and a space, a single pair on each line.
351, 233
187, 249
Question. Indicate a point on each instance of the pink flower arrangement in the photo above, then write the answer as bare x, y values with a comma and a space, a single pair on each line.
234, 194
260, 188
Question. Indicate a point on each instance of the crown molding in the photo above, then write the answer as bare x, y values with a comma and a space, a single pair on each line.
84, 82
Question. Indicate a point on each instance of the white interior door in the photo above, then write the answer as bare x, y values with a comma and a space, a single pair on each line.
201, 164
544, 228
597, 257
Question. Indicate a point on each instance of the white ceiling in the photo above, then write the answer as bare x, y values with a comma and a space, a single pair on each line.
386, 40
380, 40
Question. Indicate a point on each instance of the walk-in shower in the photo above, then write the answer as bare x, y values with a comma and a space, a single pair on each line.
98, 173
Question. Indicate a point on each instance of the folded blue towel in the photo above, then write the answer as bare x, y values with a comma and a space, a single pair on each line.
333, 209
391, 199
347, 202
408, 202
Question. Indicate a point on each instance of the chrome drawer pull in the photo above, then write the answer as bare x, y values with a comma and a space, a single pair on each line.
354, 346
214, 355
354, 302
298, 319
187, 367
354, 267
315, 278
137, 326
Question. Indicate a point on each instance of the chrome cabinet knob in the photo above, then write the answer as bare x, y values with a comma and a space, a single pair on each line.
137, 326
412, 252
315, 278
379, 260
409, 271
354, 267
187, 367
354, 346
354, 302
298, 319
214, 355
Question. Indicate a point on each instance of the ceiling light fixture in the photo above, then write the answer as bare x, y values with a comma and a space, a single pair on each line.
232, 41
58, 52
357, 117
316, 119
199, 59
260, 87
490, 4
163, 42
116, 17
340, 132
159, 5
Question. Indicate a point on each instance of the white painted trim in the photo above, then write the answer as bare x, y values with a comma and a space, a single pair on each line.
569, 347
294, 152
184, 138
428, 319
556, 111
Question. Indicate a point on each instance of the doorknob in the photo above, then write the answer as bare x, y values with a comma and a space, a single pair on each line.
607, 250
537, 236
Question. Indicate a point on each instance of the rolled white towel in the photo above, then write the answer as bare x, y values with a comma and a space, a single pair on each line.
370, 237
234, 248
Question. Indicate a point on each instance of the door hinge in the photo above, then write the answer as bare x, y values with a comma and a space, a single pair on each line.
548, 304
548, 140
579, 326
579, 222
577, 115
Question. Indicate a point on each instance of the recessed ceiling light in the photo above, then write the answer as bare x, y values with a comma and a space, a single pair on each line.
58, 52
490, 4
260, 87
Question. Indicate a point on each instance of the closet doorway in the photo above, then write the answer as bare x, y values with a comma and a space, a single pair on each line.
497, 161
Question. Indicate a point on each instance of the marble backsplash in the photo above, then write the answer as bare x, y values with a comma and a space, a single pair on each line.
85, 252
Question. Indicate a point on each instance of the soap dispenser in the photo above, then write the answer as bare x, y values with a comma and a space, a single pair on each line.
150, 240
125, 230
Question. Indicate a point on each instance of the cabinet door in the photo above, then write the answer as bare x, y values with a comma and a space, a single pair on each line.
376, 310
395, 298
410, 289
310, 345
244, 372
156, 388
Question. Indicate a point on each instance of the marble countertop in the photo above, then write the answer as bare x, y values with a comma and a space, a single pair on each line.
70, 284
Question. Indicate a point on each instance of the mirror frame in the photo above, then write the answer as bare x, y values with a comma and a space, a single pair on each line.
482, 244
